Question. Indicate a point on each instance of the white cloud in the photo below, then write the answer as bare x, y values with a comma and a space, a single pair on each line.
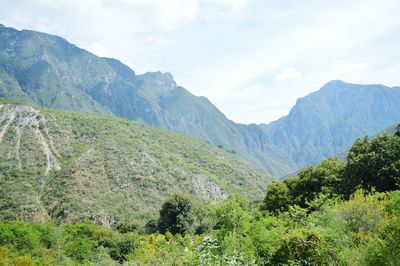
235, 5
395, 69
288, 73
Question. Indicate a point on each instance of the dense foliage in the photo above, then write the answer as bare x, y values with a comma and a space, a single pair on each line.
363, 230
176, 215
372, 165
309, 219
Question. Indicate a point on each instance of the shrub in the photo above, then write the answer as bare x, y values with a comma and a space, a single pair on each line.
176, 215
364, 214
80, 249
19, 236
303, 247
373, 164
277, 198
123, 246
385, 251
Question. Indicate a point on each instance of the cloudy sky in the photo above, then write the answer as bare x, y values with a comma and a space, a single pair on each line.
251, 58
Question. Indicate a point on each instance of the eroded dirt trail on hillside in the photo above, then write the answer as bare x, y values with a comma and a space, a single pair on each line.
21, 118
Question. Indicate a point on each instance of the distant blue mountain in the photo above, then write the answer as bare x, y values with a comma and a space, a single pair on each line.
326, 122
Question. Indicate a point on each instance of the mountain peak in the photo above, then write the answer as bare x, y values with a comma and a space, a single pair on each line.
164, 79
118, 66
334, 84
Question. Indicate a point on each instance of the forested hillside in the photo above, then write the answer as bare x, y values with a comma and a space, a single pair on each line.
334, 213
69, 167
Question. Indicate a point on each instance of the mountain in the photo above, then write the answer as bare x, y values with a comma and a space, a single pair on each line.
326, 122
390, 131
48, 71
68, 166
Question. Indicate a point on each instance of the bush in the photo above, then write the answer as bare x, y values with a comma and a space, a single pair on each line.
364, 214
393, 204
176, 215
80, 249
303, 247
385, 251
19, 236
124, 228
373, 164
277, 198
123, 246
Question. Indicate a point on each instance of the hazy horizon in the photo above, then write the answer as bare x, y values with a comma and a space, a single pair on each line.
252, 59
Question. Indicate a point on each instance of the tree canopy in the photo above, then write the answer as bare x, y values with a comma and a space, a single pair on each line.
176, 215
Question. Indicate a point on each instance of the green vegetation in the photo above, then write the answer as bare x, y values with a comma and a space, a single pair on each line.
363, 230
176, 215
312, 218
311, 183
372, 165
72, 167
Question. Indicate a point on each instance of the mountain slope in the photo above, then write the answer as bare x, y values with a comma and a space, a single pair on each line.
71, 166
326, 122
48, 71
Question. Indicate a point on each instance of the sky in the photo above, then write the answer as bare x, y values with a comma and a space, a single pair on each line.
252, 58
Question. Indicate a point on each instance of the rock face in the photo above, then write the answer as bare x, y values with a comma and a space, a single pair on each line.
209, 189
71, 167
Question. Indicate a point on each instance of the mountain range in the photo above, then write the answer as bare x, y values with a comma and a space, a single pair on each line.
326, 122
48, 71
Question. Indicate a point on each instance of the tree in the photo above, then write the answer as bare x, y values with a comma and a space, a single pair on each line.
303, 247
176, 215
320, 181
231, 215
124, 228
123, 245
151, 227
397, 131
277, 198
314, 180
373, 164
